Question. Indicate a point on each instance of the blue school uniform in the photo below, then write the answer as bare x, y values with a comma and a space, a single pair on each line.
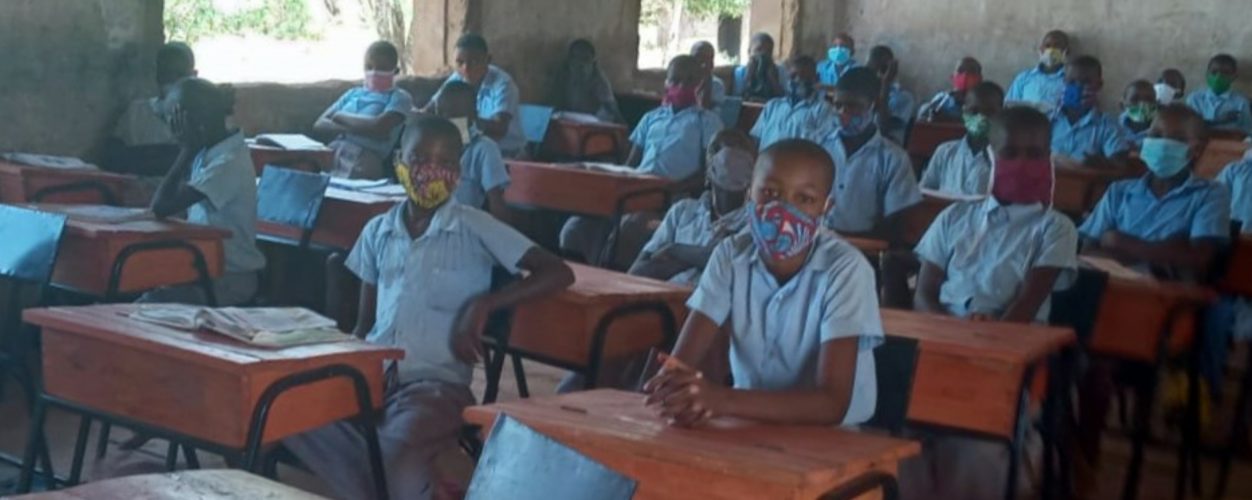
1133, 139
810, 119
956, 168
777, 329
423, 283
361, 101
741, 79
986, 250
719, 92
1094, 134
482, 169
690, 222
900, 104
1035, 88
1198, 208
224, 174
828, 72
941, 105
1214, 107
873, 183
498, 94
673, 142
1237, 177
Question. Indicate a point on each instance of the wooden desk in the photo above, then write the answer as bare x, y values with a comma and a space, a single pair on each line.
572, 140
23, 184
918, 219
1218, 154
306, 160
199, 484
1079, 189
1238, 278
90, 251
925, 138
1135, 312
749, 114
574, 190
343, 217
727, 460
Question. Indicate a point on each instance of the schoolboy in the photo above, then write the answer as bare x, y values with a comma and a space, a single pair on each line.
895, 105
1081, 133
802, 114
947, 105
963, 166
142, 142
840, 58
761, 79
498, 97
712, 88
1222, 107
367, 119
1139, 106
483, 174
1043, 85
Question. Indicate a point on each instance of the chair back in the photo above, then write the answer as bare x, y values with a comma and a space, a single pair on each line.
522, 464
291, 197
31, 241
895, 364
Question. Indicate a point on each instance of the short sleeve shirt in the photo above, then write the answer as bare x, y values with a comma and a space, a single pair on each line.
224, 174
361, 101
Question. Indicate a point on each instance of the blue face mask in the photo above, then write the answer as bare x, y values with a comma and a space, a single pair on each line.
856, 125
1073, 99
1165, 157
839, 54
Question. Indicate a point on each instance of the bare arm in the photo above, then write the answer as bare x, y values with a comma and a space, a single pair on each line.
929, 282
496, 205
378, 127
635, 157
174, 196
497, 126
545, 274
325, 124
1035, 290
660, 265
366, 306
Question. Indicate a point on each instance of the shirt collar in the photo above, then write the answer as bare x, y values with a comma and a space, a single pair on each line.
231, 142
992, 208
1192, 182
444, 219
821, 255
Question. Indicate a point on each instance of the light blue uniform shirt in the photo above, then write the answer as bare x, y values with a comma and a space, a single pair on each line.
811, 119
1237, 177
674, 143
1036, 88
777, 329
1214, 107
360, 101
741, 79
498, 94
482, 169
423, 283
1094, 134
900, 104
942, 105
828, 72
986, 250
690, 222
719, 92
1133, 139
1198, 208
955, 168
873, 183
224, 174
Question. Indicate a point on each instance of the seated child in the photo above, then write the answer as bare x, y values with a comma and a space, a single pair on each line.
797, 301
582, 87
895, 105
483, 174
1081, 133
946, 106
761, 79
802, 114
1138, 109
425, 269
874, 180
142, 143
1043, 85
498, 97
1170, 87
1233, 316
692, 228
1222, 107
839, 59
712, 88
962, 166
368, 119
214, 182
668, 142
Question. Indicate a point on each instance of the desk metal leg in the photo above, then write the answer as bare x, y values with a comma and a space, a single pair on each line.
595, 357
1019, 434
33, 444
523, 389
1144, 402
1238, 429
80, 449
197, 261
102, 442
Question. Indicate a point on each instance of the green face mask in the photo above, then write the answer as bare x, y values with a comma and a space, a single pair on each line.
1141, 113
1219, 83
976, 125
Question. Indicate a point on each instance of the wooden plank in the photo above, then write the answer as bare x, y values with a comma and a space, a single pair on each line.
1133, 313
579, 191
198, 484
19, 183
573, 140
1079, 189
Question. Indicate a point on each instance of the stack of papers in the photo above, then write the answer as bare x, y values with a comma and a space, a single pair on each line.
47, 161
289, 141
259, 326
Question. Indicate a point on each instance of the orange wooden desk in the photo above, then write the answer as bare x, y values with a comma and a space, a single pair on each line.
749, 114
576, 140
726, 460
925, 138
1135, 312
343, 217
199, 484
1218, 154
27, 184
576, 190
307, 160
203, 389
90, 252
1078, 190
918, 219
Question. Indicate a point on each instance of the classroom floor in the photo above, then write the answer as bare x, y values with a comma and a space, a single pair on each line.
1157, 483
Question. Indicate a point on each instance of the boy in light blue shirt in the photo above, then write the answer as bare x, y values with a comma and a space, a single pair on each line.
839, 59
962, 166
1222, 107
368, 119
498, 97
713, 89
802, 114
484, 176
1082, 135
1138, 109
1043, 85
895, 116
142, 143
874, 180
798, 302
947, 105
761, 79
426, 287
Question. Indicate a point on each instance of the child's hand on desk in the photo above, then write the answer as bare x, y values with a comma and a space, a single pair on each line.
681, 394
467, 337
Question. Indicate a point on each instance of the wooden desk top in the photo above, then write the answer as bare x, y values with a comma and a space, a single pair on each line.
18, 168
805, 459
198, 484
19, 183
1128, 279
93, 221
1017, 343
1218, 154
577, 190
593, 285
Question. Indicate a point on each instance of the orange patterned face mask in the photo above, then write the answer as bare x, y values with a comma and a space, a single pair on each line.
428, 184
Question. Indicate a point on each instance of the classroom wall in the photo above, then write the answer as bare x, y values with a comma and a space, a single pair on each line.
69, 67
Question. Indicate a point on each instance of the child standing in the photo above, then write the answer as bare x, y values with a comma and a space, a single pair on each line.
1138, 110
802, 114
498, 97
895, 105
425, 269
581, 86
1081, 133
962, 166
1043, 85
483, 174
839, 59
946, 106
368, 119
1222, 107
761, 79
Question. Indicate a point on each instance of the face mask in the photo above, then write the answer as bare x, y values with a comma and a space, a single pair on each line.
801, 90
1141, 113
1165, 157
731, 169
839, 54
1022, 181
679, 96
1076, 98
853, 126
780, 230
1052, 58
1165, 94
1219, 83
379, 81
962, 82
428, 185
976, 125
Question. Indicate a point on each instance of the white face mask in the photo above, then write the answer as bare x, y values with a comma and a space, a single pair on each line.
462, 126
1165, 94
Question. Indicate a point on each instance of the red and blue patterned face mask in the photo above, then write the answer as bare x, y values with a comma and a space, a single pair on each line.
780, 230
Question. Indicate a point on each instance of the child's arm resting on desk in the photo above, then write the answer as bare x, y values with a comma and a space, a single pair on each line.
929, 282
175, 195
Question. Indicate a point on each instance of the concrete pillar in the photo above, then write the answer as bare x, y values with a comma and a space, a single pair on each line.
436, 26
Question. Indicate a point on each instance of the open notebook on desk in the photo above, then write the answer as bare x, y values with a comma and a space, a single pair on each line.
47, 161
294, 142
607, 167
259, 326
101, 214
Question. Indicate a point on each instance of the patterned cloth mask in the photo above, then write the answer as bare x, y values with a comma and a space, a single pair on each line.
428, 184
